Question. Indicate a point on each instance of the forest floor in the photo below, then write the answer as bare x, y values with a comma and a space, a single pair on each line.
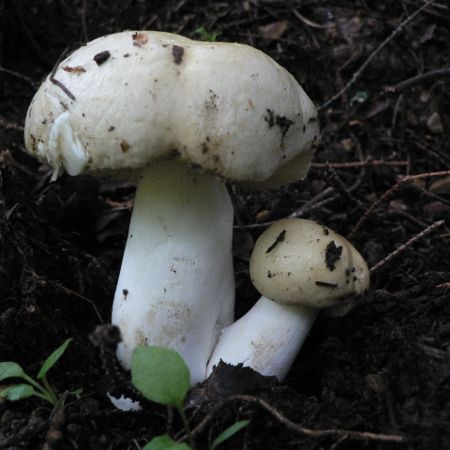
379, 377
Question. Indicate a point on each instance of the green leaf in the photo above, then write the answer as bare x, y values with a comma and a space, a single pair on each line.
359, 97
10, 370
17, 392
165, 442
76, 392
160, 374
230, 431
53, 359
206, 35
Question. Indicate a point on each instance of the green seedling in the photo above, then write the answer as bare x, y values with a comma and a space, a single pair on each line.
360, 97
207, 36
41, 388
162, 376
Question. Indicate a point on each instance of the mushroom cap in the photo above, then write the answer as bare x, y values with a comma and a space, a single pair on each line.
127, 100
299, 262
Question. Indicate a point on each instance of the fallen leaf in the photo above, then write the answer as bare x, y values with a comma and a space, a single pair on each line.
397, 205
347, 144
436, 210
377, 107
434, 123
263, 215
274, 30
428, 33
348, 28
441, 186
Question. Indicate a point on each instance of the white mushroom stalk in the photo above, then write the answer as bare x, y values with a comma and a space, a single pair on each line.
176, 287
300, 267
188, 116
267, 338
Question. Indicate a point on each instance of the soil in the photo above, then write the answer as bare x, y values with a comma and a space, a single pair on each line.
384, 368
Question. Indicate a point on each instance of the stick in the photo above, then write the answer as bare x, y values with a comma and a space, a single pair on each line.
407, 244
57, 82
18, 75
359, 72
357, 164
405, 180
297, 428
7, 125
410, 82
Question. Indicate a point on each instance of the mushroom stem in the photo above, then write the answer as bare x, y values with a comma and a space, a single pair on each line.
176, 286
267, 338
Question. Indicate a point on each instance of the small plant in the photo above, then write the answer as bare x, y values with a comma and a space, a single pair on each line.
40, 389
208, 36
162, 376
359, 97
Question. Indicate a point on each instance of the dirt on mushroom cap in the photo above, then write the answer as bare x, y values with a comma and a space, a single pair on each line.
297, 261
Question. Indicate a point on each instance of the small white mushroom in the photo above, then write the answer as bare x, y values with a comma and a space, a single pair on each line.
299, 267
180, 117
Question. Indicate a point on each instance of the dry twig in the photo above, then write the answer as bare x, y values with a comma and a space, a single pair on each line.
43, 282
295, 427
19, 76
7, 125
405, 180
57, 82
309, 22
83, 21
357, 164
410, 82
366, 63
406, 245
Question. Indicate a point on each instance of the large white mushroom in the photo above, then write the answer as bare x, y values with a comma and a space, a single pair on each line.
180, 117
299, 267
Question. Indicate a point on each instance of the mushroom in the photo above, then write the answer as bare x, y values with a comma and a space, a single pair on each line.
180, 118
299, 267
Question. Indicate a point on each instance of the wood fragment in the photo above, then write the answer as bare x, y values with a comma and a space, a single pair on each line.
57, 82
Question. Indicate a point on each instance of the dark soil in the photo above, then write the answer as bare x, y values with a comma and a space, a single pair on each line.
384, 368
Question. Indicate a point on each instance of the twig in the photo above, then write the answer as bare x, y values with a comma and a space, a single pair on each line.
310, 23
311, 204
57, 82
336, 181
357, 164
83, 21
407, 244
405, 180
297, 428
395, 113
383, 44
68, 291
314, 203
7, 125
19, 76
410, 82
318, 201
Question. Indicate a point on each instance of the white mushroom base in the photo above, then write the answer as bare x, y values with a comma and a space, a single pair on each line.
176, 286
267, 338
